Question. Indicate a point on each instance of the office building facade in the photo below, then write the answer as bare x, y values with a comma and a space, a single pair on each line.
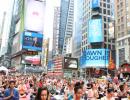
104, 13
122, 16
29, 33
66, 25
56, 31
77, 32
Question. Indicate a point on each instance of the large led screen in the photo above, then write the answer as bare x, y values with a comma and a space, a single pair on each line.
111, 30
95, 33
34, 15
94, 58
70, 63
32, 41
95, 3
34, 59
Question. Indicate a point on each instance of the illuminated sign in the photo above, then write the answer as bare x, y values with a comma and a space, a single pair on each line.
32, 41
95, 3
34, 59
95, 58
95, 33
34, 15
70, 63
111, 30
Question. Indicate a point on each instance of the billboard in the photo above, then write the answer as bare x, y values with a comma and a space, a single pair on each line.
95, 4
95, 58
111, 30
32, 59
34, 15
32, 41
70, 63
95, 33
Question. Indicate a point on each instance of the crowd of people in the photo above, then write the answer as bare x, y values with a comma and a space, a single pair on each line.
43, 87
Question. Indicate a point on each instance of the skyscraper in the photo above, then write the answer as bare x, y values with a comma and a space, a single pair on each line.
77, 32
56, 30
122, 16
66, 25
97, 15
105, 14
28, 31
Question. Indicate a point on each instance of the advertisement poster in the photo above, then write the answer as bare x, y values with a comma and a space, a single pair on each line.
70, 63
32, 41
34, 15
95, 3
95, 33
95, 58
34, 59
111, 30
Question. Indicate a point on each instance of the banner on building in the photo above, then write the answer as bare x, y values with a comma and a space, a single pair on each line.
70, 63
111, 30
32, 41
95, 4
32, 59
95, 58
34, 15
95, 33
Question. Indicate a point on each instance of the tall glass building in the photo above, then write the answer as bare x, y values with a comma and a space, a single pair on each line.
66, 25
77, 34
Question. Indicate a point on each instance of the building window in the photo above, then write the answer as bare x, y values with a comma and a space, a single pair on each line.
105, 39
121, 4
118, 21
104, 19
108, 12
105, 32
118, 28
117, 6
108, 5
108, 1
122, 34
100, 4
119, 43
122, 19
104, 11
122, 26
105, 25
104, 4
123, 42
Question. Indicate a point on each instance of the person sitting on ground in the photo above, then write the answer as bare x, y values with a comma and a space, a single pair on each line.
11, 93
43, 94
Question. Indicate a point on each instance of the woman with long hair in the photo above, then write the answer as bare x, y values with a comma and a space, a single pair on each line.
42, 94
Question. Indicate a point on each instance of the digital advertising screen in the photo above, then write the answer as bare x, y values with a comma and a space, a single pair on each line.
111, 30
34, 15
32, 41
94, 58
95, 4
70, 63
32, 59
95, 33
